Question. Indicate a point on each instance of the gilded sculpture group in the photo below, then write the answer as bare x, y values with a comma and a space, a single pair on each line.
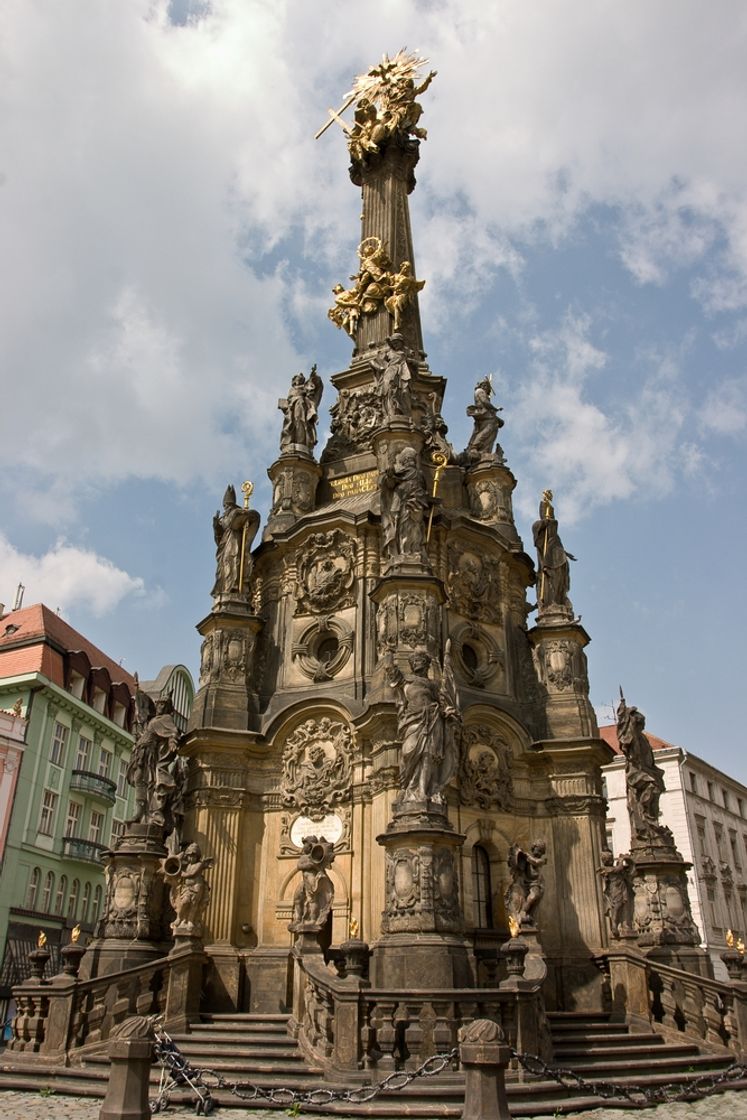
376, 284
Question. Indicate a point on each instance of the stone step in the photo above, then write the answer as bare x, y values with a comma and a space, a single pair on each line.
248, 1017
571, 1054
582, 1026
262, 1046
594, 1038
693, 1062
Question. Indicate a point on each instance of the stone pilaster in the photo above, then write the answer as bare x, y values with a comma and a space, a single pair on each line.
226, 697
294, 479
558, 645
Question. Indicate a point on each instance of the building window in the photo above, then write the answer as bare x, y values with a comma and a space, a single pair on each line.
46, 903
122, 778
718, 831
72, 824
86, 902
693, 782
117, 831
96, 904
700, 825
59, 902
105, 763
96, 827
59, 743
32, 893
481, 893
735, 857
83, 757
725, 796
740, 806
46, 820
72, 900
709, 786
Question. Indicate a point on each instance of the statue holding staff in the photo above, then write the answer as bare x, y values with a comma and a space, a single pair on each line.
553, 569
234, 531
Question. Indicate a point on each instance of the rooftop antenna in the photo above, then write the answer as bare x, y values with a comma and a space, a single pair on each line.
19, 597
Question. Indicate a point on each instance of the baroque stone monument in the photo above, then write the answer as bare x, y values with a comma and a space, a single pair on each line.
369, 683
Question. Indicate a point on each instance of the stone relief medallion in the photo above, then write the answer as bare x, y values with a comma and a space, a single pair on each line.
402, 880
237, 648
330, 826
323, 648
563, 664
325, 573
474, 585
407, 619
485, 773
317, 769
354, 418
446, 886
477, 655
487, 501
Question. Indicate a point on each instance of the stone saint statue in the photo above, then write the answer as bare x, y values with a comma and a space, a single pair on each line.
644, 780
155, 769
487, 423
527, 884
393, 378
429, 725
188, 889
234, 531
404, 501
313, 899
553, 569
617, 880
301, 412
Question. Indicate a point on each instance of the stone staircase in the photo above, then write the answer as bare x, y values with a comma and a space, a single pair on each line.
257, 1049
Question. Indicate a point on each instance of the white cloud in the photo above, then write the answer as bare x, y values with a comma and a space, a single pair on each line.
67, 576
149, 169
724, 409
587, 455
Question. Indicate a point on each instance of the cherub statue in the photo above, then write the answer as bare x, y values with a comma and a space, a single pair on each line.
313, 898
189, 890
527, 884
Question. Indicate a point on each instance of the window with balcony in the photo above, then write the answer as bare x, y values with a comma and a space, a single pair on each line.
96, 827
46, 902
32, 894
105, 763
59, 902
83, 757
72, 900
48, 809
72, 824
59, 744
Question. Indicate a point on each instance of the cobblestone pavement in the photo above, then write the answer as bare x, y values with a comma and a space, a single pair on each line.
35, 1106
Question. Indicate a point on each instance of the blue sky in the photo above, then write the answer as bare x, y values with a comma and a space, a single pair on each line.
172, 232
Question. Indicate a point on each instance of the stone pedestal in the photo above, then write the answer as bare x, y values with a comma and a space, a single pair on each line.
227, 697
422, 944
558, 645
294, 477
135, 924
662, 916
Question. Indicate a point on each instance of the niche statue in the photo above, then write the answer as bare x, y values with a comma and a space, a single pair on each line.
234, 531
393, 378
553, 569
527, 884
429, 725
312, 900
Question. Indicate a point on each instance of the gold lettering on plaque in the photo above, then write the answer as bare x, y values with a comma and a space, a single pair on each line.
363, 483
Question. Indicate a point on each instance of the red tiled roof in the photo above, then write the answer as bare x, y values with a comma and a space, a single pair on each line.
609, 734
43, 624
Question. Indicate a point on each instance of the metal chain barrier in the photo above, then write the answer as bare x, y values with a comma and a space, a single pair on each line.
178, 1073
